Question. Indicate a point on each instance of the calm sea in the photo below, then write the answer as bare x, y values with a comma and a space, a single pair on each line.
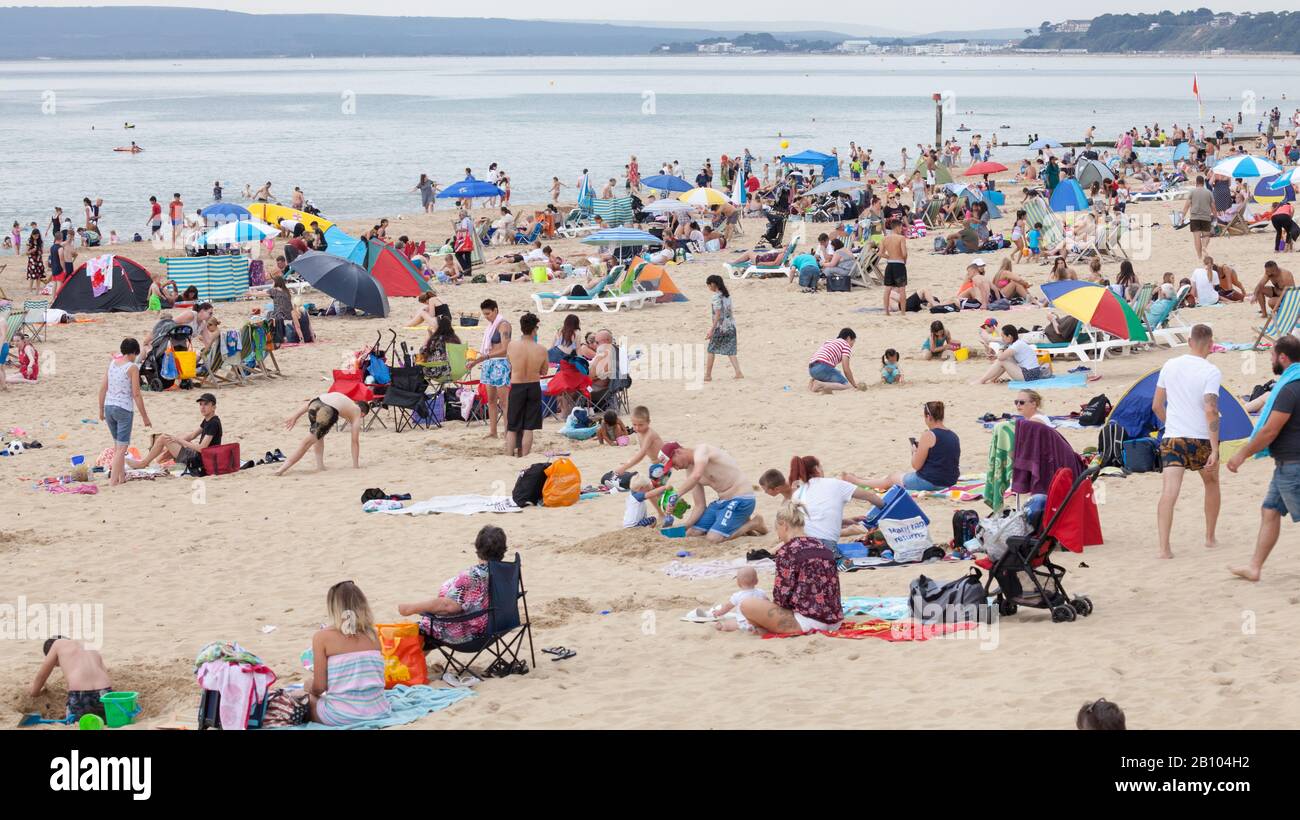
356, 133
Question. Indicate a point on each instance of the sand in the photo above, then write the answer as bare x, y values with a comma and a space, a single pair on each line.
176, 563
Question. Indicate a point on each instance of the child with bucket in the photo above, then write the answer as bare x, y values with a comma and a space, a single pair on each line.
89, 689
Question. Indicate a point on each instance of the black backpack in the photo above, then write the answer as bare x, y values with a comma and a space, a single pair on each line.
1095, 411
965, 524
528, 487
1110, 444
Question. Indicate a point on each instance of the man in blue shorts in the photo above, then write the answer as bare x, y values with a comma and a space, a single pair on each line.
731, 515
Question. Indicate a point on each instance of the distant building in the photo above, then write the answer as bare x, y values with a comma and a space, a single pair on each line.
716, 48
858, 47
1072, 27
1223, 20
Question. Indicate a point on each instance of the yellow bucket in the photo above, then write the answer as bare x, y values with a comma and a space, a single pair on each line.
961, 354
540, 273
185, 363
1044, 358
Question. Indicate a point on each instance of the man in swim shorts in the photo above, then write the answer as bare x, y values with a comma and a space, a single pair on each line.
84, 670
731, 515
893, 250
528, 364
323, 412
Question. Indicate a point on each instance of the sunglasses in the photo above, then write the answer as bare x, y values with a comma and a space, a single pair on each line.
1022, 402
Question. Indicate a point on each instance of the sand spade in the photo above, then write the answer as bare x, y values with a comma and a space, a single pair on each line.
34, 718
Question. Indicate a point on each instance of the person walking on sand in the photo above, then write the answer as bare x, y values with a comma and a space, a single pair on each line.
1277, 434
893, 250
119, 397
1187, 403
323, 412
722, 333
1199, 214
528, 364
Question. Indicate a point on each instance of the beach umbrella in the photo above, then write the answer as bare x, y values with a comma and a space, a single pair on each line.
242, 230
1244, 165
345, 281
584, 194
1269, 192
1068, 196
666, 182
979, 169
704, 197
668, 206
831, 186
621, 238
1096, 306
1286, 179
225, 212
1043, 143
469, 188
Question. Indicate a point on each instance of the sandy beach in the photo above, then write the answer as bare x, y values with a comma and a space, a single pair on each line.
177, 563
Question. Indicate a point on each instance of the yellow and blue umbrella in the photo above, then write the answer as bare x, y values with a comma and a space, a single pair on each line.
1097, 307
704, 197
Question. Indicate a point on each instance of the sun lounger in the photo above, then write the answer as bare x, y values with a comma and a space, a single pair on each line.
743, 270
1283, 319
1167, 326
551, 302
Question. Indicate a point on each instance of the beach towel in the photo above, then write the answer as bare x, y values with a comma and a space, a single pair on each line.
406, 703
1291, 374
884, 609
894, 632
720, 568
459, 504
1052, 382
997, 480
485, 346
100, 271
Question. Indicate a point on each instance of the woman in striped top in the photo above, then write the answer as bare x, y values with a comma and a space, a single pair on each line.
348, 676
823, 376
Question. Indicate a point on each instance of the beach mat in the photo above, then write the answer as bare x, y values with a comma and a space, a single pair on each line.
408, 704
1052, 382
892, 631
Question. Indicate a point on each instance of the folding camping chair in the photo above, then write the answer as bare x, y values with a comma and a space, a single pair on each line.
867, 266
404, 396
351, 383
506, 630
35, 319
1283, 319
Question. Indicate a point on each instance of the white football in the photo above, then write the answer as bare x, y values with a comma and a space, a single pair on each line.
15, 448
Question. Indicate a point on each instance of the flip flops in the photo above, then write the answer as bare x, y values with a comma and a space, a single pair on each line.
559, 652
501, 668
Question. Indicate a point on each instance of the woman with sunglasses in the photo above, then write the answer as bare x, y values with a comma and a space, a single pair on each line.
1028, 403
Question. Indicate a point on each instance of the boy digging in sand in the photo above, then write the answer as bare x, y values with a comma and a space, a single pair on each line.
86, 674
650, 442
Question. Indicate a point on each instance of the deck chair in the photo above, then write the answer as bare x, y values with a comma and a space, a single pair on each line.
780, 267
403, 398
933, 209
867, 266
34, 322
1232, 222
627, 292
1283, 318
1037, 211
214, 371
13, 323
1142, 299
530, 237
506, 628
560, 300
1160, 324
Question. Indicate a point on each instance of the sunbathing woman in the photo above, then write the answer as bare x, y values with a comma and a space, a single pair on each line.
347, 665
1007, 284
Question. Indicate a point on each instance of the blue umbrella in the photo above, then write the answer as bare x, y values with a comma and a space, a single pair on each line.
1287, 179
225, 212
345, 281
469, 188
1043, 143
584, 194
667, 182
621, 237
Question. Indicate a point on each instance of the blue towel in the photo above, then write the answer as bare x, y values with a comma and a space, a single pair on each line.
1052, 382
1291, 374
886, 609
408, 704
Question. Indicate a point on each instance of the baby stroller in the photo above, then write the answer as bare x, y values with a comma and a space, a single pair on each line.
1071, 514
775, 233
166, 333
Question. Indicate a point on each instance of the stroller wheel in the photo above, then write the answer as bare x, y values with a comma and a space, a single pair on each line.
1063, 612
155, 383
1082, 605
1006, 607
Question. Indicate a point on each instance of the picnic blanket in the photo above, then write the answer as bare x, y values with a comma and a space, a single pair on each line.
408, 704
459, 504
720, 568
1052, 382
894, 632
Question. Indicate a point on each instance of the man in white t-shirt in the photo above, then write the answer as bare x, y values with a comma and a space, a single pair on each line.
1187, 403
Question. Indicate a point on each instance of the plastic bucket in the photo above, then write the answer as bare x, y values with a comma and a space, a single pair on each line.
961, 354
120, 708
186, 361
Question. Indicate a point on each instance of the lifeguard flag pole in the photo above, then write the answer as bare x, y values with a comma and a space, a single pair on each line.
1196, 92
938, 120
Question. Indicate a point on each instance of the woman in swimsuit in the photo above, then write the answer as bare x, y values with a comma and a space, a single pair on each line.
1007, 285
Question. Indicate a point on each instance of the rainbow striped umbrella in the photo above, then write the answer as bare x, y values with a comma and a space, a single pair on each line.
1096, 306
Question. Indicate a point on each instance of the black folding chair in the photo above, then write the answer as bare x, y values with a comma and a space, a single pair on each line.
406, 395
506, 629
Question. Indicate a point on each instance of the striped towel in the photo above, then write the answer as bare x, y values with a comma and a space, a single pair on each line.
355, 689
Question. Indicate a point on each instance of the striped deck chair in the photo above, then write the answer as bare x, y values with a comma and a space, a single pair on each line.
13, 323
34, 321
1142, 299
867, 265
614, 212
212, 364
1160, 321
1283, 318
1037, 211
931, 215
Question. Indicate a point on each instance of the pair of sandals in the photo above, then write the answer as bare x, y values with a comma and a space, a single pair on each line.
559, 652
501, 668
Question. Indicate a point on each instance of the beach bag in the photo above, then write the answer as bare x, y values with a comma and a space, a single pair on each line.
1094, 413
167, 364
1141, 455
403, 651
528, 487
838, 283
1000, 304
464, 243
909, 538
563, 484
1262, 389
1110, 445
996, 532
210, 711
220, 459
931, 602
286, 707
965, 526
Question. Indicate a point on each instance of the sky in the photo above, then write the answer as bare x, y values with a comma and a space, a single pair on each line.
940, 14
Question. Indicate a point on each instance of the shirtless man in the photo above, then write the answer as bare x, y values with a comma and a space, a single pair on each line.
732, 514
323, 412
1269, 290
84, 669
528, 364
893, 252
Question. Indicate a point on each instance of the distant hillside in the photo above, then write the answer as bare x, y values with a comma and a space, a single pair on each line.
156, 32
1190, 31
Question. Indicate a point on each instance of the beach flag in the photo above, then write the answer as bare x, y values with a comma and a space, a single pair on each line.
1196, 92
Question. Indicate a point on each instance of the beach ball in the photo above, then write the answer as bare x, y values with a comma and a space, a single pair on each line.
785, 143
15, 448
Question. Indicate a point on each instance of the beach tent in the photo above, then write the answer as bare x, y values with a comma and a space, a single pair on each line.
942, 174
272, 214
1133, 412
218, 278
347, 247
1090, 171
394, 271
1266, 194
129, 291
830, 165
1068, 196
655, 277
994, 211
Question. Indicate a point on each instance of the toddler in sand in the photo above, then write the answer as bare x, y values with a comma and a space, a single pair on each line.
889, 372
747, 580
634, 513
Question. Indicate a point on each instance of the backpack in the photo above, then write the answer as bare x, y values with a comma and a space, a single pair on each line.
1141, 455
1094, 413
838, 283
1262, 389
1110, 445
965, 525
931, 603
528, 487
